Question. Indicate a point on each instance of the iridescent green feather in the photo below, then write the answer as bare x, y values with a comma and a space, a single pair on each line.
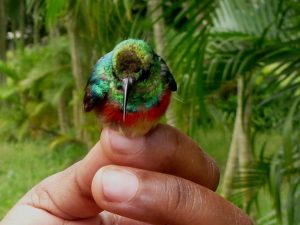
106, 79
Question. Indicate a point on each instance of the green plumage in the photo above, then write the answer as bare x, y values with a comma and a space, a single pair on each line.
134, 59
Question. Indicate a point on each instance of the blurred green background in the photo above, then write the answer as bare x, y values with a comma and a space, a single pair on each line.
236, 62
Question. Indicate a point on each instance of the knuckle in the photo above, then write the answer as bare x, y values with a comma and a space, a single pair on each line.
175, 196
40, 197
81, 185
180, 196
183, 198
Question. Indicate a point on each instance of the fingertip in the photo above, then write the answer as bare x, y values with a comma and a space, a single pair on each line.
112, 184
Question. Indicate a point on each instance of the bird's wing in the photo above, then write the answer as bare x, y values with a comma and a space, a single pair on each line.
167, 75
97, 86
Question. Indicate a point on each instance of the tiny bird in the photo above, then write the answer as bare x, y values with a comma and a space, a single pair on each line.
130, 88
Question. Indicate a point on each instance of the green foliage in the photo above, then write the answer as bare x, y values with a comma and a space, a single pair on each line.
36, 78
275, 174
226, 40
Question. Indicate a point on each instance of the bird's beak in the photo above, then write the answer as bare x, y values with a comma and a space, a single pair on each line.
127, 84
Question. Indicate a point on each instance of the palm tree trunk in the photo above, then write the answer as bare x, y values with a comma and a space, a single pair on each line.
79, 120
155, 11
22, 23
36, 24
240, 153
2, 36
245, 152
62, 115
232, 161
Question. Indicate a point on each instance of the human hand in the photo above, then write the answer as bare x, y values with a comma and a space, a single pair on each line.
161, 178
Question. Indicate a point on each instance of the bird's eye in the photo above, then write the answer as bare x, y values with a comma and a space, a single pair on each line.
114, 73
144, 75
119, 87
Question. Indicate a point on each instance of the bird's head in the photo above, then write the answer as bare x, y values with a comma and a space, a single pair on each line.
131, 63
132, 58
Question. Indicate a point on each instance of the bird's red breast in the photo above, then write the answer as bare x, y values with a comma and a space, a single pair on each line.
112, 113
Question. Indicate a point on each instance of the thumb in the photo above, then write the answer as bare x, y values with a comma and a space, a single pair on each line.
158, 198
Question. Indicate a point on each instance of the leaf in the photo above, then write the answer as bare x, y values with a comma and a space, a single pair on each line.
60, 140
55, 9
8, 71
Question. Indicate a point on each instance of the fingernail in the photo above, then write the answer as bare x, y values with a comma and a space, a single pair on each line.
124, 144
119, 185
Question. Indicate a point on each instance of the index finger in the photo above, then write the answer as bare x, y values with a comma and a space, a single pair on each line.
163, 149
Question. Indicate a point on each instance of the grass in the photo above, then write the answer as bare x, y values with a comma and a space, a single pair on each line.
22, 165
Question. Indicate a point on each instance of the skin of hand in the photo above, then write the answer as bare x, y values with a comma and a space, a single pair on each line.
161, 178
